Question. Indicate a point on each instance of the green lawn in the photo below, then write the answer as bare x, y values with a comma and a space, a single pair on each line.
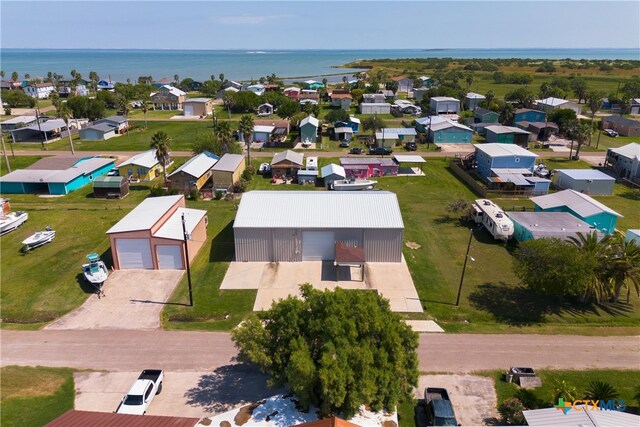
18, 162
623, 381
34, 396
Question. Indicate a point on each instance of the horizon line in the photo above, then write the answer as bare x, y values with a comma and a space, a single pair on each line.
324, 49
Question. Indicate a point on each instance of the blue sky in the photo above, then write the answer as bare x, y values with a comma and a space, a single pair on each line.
319, 24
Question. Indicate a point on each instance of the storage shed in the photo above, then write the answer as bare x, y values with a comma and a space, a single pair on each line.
110, 187
444, 105
507, 135
306, 176
227, 171
99, 132
287, 163
581, 206
375, 108
194, 173
587, 181
151, 235
198, 107
332, 172
314, 222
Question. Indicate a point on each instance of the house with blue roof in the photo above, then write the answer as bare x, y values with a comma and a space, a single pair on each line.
529, 115
581, 206
55, 175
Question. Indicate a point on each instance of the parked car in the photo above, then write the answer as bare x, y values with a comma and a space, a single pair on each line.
355, 150
438, 407
380, 151
142, 392
410, 146
264, 169
114, 172
612, 133
344, 143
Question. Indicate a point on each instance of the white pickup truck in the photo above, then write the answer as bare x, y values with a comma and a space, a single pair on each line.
148, 384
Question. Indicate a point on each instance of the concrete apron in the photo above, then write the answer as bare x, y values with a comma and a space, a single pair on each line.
133, 300
280, 280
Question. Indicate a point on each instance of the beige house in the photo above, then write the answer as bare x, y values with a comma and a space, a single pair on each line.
168, 98
151, 236
227, 171
198, 107
194, 173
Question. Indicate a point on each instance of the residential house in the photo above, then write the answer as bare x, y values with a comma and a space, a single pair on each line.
312, 84
635, 106
390, 137
287, 163
580, 415
194, 173
231, 84
353, 123
551, 103
262, 133
622, 125
292, 92
444, 105
309, 129
539, 131
419, 93
17, 122
375, 108
197, 107
312, 98
366, 167
194, 85
98, 132
55, 175
281, 129
406, 107
482, 115
168, 98
426, 81
405, 84
151, 236
222, 92
505, 156
547, 225
424, 123
625, 161
342, 132
227, 171
39, 90
10, 84
66, 91
472, 99
332, 172
143, 166
110, 187
265, 109
90, 418
587, 181
306, 176
450, 132
271, 87
529, 115
162, 82
389, 95
309, 226
342, 100
581, 206
373, 98
258, 89
633, 235
105, 85
120, 123
507, 135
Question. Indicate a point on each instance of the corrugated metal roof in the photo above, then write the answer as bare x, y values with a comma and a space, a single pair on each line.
499, 129
504, 150
551, 224
444, 98
473, 95
586, 174
290, 156
55, 163
198, 165
263, 129
145, 159
146, 214
516, 178
47, 126
50, 175
20, 119
333, 169
310, 119
319, 209
409, 158
581, 204
172, 229
582, 418
343, 129
630, 151
108, 181
382, 161
228, 162
197, 100
448, 124
553, 102
102, 127
76, 418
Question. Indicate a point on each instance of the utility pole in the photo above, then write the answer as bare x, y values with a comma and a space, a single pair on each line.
186, 253
464, 267
4, 151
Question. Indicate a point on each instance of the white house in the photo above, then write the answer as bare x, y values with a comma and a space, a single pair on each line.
444, 105
40, 90
551, 103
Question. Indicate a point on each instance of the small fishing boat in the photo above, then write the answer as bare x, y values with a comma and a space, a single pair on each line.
353, 184
12, 220
95, 271
541, 171
39, 238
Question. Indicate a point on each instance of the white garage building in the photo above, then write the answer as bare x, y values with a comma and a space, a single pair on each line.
293, 226
150, 236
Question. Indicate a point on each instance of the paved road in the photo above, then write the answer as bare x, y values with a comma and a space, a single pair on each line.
121, 350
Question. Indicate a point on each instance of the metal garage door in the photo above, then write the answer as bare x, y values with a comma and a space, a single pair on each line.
318, 245
169, 257
134, 253
188, 110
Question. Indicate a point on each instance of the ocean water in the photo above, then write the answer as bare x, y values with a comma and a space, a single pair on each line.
123, 64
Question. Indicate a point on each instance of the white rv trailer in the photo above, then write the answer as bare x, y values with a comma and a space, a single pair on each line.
493, 218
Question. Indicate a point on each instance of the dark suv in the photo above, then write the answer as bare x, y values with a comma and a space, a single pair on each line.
410, 146
380, 151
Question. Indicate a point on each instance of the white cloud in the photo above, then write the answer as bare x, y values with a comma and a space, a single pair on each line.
247, 19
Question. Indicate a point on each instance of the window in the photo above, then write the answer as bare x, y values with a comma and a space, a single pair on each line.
148, 392
142, 171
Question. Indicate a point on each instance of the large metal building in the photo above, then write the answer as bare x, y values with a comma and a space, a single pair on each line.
293, 226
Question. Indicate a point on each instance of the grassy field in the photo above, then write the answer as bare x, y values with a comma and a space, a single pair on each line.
34, 396
492, 299
19, 162
623, 381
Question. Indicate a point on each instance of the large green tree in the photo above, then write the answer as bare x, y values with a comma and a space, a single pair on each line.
337, 350
373, 123
160, 142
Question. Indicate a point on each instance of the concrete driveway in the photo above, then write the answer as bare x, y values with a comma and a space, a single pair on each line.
188, 394
279, 280
473, 397
133, 300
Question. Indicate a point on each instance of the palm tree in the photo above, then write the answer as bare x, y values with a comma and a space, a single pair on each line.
624, 266
593, 101
506, 113
581, 133
176, 78
489, 96
469, 80
600, 390
598, 250
15, 76
223, 132
221, 77
144, 106
246, 129
65, 113
160, 142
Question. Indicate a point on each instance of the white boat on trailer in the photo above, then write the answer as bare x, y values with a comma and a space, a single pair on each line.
39, 238
95, 271
353, 184
494, 219
12, 220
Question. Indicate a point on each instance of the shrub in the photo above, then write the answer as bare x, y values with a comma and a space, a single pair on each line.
600, 390
218, 195
194, 194
511, 412
7, 111
248, 173
240, 186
